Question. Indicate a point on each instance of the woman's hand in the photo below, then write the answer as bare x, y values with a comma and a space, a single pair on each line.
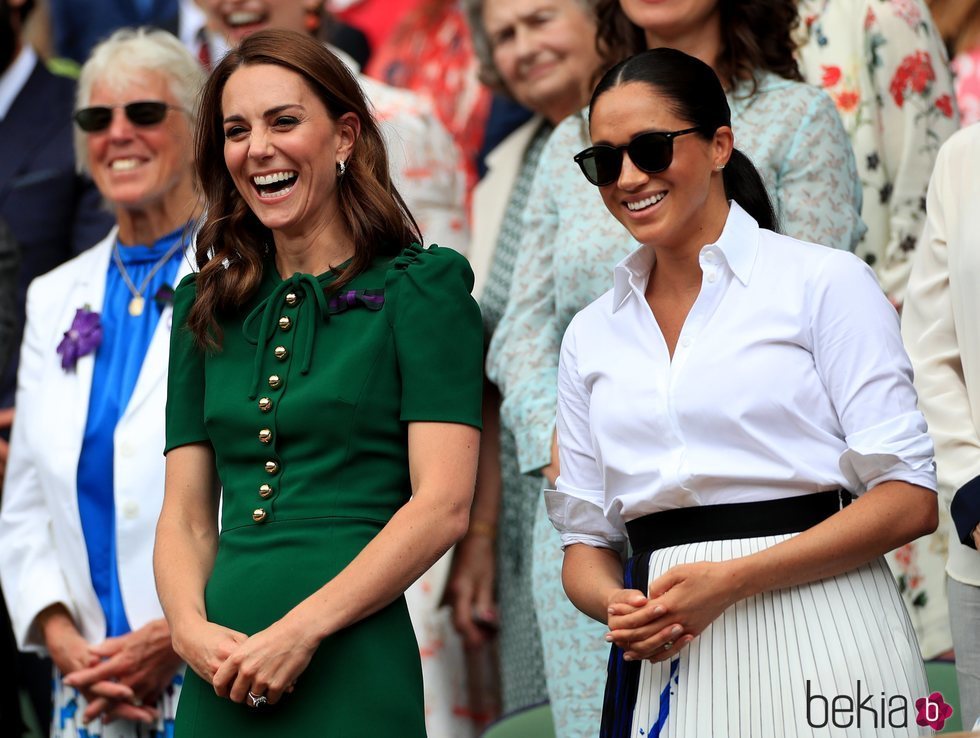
469, 591
205, 646
68, 649
269, 663
682, 603
142, 660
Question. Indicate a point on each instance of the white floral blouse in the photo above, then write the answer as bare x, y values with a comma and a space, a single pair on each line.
885, 66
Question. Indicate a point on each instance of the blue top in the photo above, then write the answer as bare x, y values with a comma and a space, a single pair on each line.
118, 361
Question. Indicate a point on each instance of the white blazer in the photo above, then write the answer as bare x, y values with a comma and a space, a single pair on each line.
941, 330
491, 196
43, 558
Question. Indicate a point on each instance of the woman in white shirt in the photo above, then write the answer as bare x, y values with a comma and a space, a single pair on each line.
717, 409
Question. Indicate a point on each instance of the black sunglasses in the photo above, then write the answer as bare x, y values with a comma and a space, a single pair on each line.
140, 113
651, 152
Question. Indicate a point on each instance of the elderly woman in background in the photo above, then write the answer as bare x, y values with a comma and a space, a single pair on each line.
84, 482
531, 50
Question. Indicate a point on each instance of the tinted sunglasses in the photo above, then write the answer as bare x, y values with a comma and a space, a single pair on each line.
140, 113
651, 152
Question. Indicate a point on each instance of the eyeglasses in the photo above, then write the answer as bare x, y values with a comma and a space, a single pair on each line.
651, 152
140, 113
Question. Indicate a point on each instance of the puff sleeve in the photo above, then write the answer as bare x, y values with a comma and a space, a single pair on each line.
438, 335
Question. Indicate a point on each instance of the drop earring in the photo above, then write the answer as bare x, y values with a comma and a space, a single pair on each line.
341, 168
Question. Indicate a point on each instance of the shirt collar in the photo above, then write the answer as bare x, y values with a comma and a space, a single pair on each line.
13, 80
738, 246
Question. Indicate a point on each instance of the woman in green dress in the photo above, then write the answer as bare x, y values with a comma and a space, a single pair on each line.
327, 380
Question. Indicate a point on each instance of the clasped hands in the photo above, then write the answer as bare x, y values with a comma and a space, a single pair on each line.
681, 604
265, 664
120, 678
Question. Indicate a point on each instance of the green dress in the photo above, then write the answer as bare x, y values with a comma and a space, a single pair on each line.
307, 407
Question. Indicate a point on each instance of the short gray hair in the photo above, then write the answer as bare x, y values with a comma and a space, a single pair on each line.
125, 56
484, 49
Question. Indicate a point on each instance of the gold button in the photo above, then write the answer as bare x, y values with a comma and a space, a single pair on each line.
284, 323
291, 298
280, 352
271, 467
275, 381
259, 515
265, 435
265, 404
265, 491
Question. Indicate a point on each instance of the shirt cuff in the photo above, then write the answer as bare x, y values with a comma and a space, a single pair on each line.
899, 449
579, 521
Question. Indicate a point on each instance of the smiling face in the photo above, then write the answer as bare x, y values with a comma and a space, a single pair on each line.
141, 167
669, 209
282, 147
236, 19
544, 51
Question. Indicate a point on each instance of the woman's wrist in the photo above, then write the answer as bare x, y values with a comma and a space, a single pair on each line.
54, 621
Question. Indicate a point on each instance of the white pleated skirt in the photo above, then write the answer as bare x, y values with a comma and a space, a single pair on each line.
833, 658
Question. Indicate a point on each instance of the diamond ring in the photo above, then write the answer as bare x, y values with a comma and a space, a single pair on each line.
256, 699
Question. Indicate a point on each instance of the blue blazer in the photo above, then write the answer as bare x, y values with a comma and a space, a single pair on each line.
53, 212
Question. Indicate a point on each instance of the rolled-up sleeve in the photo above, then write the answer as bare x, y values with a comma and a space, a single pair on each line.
578, 507
859, 356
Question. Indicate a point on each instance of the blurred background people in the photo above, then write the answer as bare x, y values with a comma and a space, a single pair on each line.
77, 25
959, 23
53, 213
84, 483
431, 53
424, 160
885, 66
532, 51
569, 243
939, 325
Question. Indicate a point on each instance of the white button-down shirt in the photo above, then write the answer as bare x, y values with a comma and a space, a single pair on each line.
789, 377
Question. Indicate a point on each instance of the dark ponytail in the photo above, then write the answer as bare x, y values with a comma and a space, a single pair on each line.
695, 94
744, 185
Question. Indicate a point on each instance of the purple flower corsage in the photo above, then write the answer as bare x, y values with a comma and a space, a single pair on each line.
164, 296
81, 339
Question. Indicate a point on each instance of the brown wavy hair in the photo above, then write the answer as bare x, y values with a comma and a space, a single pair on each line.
232, 243
756, 35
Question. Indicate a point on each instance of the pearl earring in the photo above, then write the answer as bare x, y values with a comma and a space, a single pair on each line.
341, 168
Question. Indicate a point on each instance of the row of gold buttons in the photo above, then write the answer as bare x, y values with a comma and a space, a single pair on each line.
260, 515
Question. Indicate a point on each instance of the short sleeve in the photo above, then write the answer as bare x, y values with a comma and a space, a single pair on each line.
438, 336
185, 381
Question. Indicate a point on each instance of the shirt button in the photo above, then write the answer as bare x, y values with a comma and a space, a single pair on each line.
265, 491
685, 342
126, 450
712, 275
130, 509
280, 352
275, 381
259, 515
265, 435
265, 404
291, 298
271, 466
284, 323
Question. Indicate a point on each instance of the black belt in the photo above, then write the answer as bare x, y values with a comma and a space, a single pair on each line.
734, 520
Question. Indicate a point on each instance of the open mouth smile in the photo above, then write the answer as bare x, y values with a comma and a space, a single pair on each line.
274, 185
639, 205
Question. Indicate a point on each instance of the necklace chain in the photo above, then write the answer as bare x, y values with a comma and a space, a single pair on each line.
136, 304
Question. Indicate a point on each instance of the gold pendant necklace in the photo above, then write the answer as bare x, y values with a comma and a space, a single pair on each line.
137, 303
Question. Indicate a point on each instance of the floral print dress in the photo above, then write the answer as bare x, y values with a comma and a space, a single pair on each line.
885, 66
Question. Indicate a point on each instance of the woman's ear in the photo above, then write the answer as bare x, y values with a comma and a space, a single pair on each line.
348, 131
722, 146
